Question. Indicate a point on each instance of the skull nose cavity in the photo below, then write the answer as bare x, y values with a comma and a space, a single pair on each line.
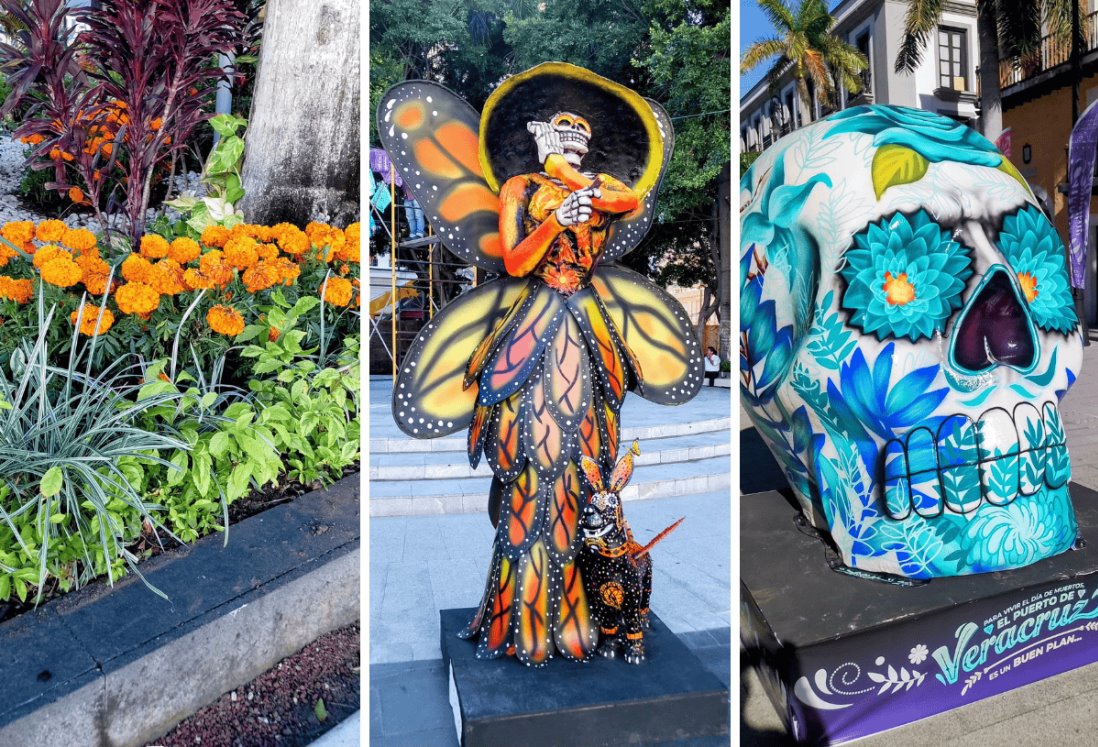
995, 328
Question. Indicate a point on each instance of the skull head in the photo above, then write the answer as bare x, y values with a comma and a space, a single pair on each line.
907, 330
574, 133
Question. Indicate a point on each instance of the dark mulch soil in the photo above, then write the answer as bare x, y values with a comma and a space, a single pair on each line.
154, 542
279, 706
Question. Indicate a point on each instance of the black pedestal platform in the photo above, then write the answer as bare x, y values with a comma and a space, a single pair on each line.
842, 657
602, 702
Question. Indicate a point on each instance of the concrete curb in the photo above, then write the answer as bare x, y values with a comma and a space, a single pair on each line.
117, 667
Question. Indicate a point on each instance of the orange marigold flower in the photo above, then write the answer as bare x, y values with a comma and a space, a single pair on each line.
167, 278
136, 269
137, 298
92, 264
294, 242
46, 253
34, 139
79, 239
156, 124
154, 246
184, 250
317, 231
195, 280
352, 232
267, 252
92, 322
50, 230
225, 320
337, 292
215, 236
241, 252
96, 282
20, 233
67, 156
62, 272
261, 276
288, 270
6, 254
273, 334
77, 195
20, 291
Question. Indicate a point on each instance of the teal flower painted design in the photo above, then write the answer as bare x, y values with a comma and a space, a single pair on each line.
934, 137
1027, 530
904, 277
1037, 256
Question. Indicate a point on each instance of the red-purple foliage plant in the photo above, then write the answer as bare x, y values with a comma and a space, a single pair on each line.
122, 98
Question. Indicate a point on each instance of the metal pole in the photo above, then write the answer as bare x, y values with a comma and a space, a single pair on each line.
223, 103
393, 263
430, 275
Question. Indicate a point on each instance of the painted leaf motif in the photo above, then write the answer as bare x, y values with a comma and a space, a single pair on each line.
493, 641
894, 165
431, 136
575, 631
502, 446
534, 625
567, 385
430, 399
602, 341
544, 437
564, 510
523, 513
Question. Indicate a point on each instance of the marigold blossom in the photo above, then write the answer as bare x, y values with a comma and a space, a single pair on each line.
225, 320
137, 298
92, 322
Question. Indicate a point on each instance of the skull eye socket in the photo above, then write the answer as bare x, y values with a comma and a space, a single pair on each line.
904, 277
1036, 256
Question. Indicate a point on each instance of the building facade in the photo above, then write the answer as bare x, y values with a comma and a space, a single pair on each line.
1037, 108
945, 81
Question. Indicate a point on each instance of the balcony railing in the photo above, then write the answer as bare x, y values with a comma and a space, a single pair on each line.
1055, 50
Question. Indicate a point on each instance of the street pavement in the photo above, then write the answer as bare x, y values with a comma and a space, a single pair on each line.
1058, 710
422, 564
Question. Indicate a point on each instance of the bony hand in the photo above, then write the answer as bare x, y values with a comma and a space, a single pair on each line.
547, 139
576, 207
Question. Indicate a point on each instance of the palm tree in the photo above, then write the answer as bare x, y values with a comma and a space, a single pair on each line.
802, 42
1005, 28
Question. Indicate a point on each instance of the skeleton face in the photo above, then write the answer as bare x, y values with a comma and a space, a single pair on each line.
574, 133
907, 330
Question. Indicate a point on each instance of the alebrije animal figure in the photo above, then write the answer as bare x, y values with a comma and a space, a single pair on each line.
617, 571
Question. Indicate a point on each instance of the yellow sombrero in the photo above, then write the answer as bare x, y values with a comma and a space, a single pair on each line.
625, 141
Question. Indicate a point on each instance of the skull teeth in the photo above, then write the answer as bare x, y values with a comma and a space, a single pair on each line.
965, 463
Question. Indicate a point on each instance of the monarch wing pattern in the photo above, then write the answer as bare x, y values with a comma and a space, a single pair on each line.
431, 135
534, 624
430, 398
544, 437
521, 350
575, 633
656, 330
603, 341
522, 514
629, 230
503, 445
564, 509
567, 387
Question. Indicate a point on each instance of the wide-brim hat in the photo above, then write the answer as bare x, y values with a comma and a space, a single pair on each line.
625, 134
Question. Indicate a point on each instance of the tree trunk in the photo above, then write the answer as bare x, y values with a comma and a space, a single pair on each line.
302, 158
724, 249
991, 103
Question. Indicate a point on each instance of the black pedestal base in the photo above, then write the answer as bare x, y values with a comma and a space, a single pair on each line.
842, 658
602, 702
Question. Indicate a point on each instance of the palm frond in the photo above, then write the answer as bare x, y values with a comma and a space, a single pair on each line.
779, 14
922, 18
761, 51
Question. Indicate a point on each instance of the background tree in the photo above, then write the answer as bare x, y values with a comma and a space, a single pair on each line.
303, 161
803, 43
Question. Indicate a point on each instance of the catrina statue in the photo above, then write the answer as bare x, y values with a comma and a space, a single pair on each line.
907, 330
556, 178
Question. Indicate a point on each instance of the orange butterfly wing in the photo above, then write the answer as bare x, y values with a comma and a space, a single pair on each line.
431, 136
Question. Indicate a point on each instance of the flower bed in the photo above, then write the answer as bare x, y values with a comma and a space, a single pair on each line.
142, 393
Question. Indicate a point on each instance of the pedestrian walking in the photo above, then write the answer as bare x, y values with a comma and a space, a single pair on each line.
712, 364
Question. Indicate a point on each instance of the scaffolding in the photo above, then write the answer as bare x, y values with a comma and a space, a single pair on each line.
411, 277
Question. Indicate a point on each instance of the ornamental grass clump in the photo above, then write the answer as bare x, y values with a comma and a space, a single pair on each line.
70, 447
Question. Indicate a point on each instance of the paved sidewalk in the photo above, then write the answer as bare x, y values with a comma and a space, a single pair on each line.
1059, 710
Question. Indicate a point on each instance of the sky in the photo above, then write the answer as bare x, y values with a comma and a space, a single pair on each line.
754, 25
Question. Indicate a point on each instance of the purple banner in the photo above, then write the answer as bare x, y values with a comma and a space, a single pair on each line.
867, 683
1081, 157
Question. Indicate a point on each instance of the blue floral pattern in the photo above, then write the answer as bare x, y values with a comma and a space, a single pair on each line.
934, 137
904, 277
1037, 255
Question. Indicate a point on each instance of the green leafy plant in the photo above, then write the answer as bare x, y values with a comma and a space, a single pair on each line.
70, 448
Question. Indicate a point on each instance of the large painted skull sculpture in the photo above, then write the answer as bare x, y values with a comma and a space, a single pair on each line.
907, 330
